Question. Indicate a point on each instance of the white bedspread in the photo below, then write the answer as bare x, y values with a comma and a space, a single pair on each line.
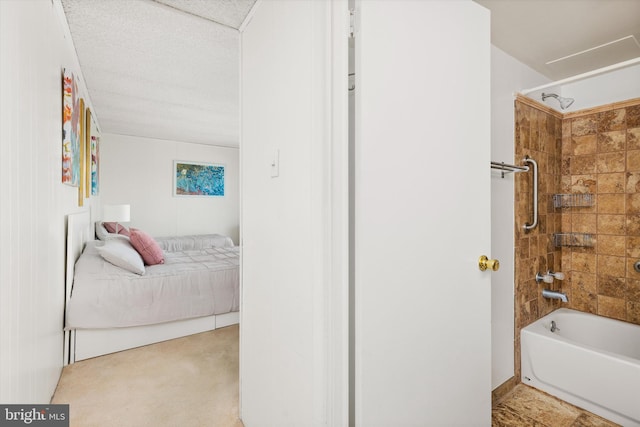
199, 241
191, 283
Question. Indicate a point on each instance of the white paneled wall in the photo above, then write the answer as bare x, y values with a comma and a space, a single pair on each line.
33, 201
139, 171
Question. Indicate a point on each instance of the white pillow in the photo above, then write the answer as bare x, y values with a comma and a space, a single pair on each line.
101, 232
120, 253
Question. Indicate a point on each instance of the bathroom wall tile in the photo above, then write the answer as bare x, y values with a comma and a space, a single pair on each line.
566, 130
611, 245
633, 139
522, 250
612, 286
583, 223
583, 184
633, 312
611, 265
533, 245
565, 166
632, 182
633, 204
611, 120
611, 162
611, 224
615, 308
527, 290
566, 260
584, 281
633, 289
523, 137
566, 146
583, 301
633, 225
565, 184
586, 125
633, 160
582, 145
581, 165
633, 247
633, 116
611, 182
585, 262
612, 141
528, 312
611, 203
527, 268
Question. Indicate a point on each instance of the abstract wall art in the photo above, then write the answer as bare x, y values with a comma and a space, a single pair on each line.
70, 130
198, 179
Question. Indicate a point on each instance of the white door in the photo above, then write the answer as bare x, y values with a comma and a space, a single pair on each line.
422, 214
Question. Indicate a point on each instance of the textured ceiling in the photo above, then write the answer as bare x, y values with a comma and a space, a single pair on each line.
154, 71
540, 31
169, 69
226, 12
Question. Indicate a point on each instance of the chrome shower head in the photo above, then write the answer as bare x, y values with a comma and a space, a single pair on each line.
564, 102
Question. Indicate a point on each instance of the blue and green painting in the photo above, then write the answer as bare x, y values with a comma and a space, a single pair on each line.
198, 179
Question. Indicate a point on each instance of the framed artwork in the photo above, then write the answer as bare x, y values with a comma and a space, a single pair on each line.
193, 179
82, 144
70, 130
95, 158
87, 152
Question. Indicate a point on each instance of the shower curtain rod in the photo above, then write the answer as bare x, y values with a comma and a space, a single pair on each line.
583, 75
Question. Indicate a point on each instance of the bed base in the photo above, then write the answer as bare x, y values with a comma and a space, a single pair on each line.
88, 343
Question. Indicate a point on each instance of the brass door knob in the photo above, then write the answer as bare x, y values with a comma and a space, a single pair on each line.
486, 263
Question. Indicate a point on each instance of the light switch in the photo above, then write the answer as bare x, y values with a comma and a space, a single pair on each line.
275, 164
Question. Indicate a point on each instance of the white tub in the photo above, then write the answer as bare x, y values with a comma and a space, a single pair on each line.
590, 361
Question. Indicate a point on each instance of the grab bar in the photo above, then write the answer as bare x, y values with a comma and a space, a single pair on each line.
531, 226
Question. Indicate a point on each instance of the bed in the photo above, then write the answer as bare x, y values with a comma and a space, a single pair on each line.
110, 308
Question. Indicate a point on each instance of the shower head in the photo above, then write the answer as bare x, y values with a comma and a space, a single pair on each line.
564, 102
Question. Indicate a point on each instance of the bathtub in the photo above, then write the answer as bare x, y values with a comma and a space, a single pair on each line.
590, 361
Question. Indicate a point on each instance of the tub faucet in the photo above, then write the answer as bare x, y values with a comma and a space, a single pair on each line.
547, 293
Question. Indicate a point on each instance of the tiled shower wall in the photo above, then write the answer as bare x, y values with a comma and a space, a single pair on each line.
591, 151
601, 155
538, 134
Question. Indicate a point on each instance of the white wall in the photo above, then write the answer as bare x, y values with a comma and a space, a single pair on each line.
507, 77
139, 171
588, 92
614, 86
34, 48
293, 346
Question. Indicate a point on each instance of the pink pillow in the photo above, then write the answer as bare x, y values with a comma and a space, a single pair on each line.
147, 247
111, 228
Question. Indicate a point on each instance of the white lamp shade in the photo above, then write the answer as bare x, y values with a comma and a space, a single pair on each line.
116, 213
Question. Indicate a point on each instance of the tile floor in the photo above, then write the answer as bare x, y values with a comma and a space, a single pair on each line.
527, 406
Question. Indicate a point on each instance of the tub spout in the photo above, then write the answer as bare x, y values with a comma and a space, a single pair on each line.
547, 293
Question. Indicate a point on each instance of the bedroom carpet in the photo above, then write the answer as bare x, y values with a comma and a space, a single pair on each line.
189, 381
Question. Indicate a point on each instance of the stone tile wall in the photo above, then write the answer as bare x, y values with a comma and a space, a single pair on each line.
601, 155
538, 134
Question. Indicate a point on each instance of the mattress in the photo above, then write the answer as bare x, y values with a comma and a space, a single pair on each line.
200, 241
190, 283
